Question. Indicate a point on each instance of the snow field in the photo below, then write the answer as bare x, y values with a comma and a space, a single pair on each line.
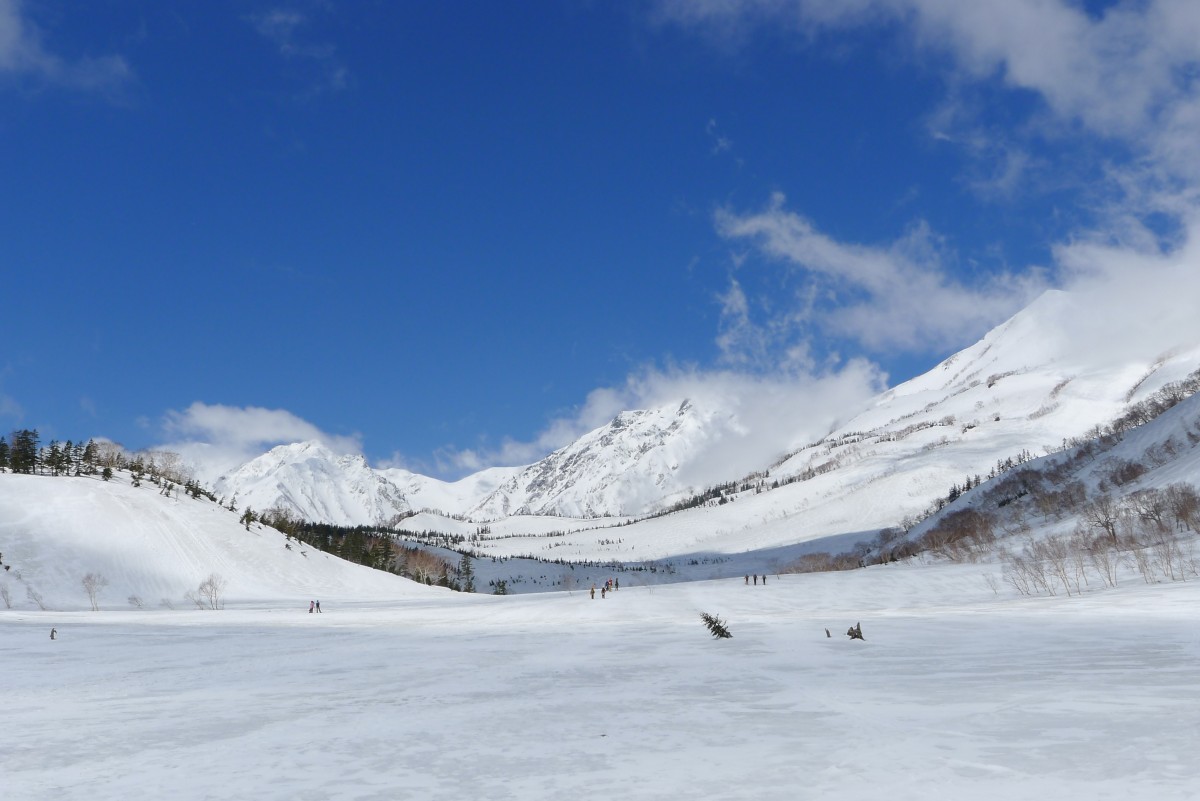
957, 692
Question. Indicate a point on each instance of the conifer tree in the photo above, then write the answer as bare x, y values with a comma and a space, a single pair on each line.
23, 452
89, 458
716, 626
3, 454
53, 458
466, 573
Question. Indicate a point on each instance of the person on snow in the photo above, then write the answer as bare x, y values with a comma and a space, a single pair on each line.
593, 592
319, 603
311, 604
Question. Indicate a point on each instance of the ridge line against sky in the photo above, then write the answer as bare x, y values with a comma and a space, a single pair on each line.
454, 235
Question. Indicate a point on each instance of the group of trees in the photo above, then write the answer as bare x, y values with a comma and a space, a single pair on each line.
22, 452
1142, 530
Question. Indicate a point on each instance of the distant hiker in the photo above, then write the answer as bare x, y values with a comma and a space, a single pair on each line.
593, 592
318, 606
616, 584
54, 634
747, 579
603, 592
311, 604
764, 582
755, 579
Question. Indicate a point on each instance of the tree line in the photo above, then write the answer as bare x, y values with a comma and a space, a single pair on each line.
22, 452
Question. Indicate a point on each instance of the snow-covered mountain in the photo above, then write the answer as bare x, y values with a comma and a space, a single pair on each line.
315, 484
619, 468
1041, 377
451, 497
1028, 385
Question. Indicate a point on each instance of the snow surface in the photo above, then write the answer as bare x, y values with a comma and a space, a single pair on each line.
962, 689
956, 693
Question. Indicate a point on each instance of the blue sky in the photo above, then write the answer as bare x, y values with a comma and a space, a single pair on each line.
455, 234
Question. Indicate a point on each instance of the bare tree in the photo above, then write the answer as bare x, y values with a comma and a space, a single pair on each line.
211, 589
1145, 565
425, 567
1103, 512
1184, 502
36, 597
1056, 553
5, 596
1105, 558
1151, 505
92, 584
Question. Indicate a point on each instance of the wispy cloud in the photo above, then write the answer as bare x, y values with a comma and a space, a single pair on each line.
893, 298
9, 408
1127, 74
720, 142
23, 55
284, 28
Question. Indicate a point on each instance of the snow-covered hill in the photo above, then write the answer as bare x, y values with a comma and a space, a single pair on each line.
54, 531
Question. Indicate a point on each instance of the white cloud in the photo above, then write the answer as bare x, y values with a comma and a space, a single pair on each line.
22, 54
1128, 74
894, 298
1134, 301
215, 438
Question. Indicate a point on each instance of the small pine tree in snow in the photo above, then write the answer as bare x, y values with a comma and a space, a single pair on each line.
716, 626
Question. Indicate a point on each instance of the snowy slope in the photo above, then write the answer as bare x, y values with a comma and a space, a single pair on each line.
53, 531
